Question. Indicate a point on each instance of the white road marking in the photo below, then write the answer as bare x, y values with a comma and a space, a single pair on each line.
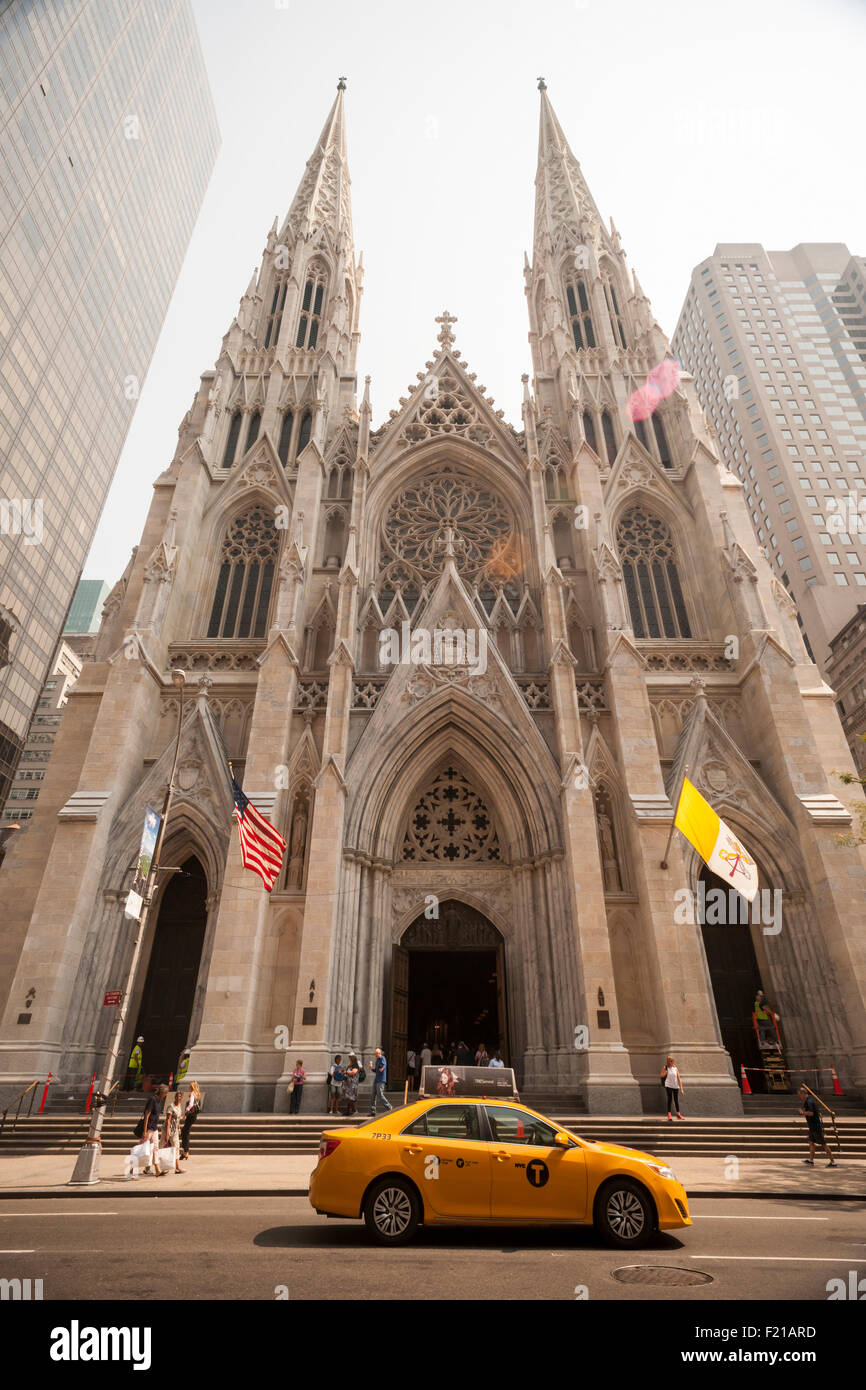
30, 1215
750, 1219
787, 1259
17, 1252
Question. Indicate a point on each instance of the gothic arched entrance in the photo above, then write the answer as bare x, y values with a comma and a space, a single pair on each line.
734, 970
169, 990
448, 985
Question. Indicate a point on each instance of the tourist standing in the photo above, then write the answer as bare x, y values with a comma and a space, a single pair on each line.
410, 1067
350, 1085
335, 1081
190, 1115
670, 1079
296, 1087
482, 1056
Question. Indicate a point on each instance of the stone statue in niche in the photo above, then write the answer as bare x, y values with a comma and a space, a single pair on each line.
298, 846
607, 844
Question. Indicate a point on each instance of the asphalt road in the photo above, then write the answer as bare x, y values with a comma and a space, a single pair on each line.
265, 1248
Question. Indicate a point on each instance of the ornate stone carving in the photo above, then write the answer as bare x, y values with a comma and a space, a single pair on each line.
429, 679
457, 927
481, 527
450, 824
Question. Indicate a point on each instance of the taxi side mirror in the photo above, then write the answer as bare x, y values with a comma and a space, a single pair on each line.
562, 1140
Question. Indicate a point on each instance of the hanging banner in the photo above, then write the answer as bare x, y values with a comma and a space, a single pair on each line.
135, 897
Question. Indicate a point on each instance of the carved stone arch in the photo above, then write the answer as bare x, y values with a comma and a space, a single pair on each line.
451, 724
320, 632
479, 901
334, 526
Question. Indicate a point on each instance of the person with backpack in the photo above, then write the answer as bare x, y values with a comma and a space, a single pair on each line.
335, 1082
670, 1079
351, 1081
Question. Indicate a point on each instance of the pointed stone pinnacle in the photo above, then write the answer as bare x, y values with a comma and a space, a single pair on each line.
542, 85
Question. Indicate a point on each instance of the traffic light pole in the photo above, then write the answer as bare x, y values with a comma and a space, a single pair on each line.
86, 1170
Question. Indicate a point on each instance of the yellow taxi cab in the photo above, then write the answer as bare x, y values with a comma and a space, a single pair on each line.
476, 1161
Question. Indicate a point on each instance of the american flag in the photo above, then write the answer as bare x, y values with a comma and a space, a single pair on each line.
262, 847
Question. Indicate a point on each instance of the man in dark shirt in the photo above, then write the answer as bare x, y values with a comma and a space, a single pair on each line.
810, 1109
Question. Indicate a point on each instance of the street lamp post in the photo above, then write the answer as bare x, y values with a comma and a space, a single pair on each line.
86, 1171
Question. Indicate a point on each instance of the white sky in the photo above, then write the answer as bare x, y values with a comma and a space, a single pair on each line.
694, 123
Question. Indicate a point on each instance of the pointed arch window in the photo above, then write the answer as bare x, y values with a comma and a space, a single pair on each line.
246, 576
580, 315
234, 435
616, 321
286, 427
275, 317
651, 575
254, 427
589, 430
609, 436
311, 311
643, 434
305, 431
662, 440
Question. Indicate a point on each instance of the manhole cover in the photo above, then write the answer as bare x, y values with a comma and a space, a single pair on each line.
660, 1274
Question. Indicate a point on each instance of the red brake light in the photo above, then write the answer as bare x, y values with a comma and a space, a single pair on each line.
327, 1146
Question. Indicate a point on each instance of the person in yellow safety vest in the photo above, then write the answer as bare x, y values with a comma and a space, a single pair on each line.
765, 1019
134, 1066
183, 1065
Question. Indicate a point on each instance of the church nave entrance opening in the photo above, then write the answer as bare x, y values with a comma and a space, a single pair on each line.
448, 987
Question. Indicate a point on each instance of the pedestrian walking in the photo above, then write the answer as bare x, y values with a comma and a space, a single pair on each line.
410, 1067
151, 1118
350, 1085
426, 1056
335, 1082
296, 1087
380, 1076
171, 1130
134, 1066
190, 1115
809, 1108
670, 1079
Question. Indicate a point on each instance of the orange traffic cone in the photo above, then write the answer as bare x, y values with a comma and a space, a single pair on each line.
747, 1090
837, 1089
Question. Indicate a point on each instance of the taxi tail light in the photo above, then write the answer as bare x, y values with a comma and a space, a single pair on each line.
327, 1146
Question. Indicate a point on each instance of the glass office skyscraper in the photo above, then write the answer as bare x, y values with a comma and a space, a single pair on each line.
108, 138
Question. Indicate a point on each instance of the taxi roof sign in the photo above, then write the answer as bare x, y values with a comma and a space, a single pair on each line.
493, 1083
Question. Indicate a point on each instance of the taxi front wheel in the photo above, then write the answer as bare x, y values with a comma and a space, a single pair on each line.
624, 1214
392, 1211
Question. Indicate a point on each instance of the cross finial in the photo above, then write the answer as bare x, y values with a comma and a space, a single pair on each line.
446, 337
542, 85
341, 84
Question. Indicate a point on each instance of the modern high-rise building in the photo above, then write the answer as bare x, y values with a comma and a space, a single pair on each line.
108, 137
86, 608
476, 818
776, 343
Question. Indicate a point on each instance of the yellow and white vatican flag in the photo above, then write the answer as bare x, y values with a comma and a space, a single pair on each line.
717, 845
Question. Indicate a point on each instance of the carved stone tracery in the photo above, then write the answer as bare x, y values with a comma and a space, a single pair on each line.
450, 824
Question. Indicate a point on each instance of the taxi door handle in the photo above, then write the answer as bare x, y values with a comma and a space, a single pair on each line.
501, 1155
413, 1149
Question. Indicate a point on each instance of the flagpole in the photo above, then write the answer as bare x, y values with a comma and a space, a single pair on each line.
664, 858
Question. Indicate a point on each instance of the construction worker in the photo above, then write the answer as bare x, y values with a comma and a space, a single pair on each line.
183, 1066
765, 1019
134, 1066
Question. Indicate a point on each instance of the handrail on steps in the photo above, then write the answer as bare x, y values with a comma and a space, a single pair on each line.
19, 1098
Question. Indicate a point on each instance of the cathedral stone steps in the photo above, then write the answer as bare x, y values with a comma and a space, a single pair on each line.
749, 1137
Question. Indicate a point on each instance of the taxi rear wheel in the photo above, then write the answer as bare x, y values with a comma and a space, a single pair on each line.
392, 1211
624, 1214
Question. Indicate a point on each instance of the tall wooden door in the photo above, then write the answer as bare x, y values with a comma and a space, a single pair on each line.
399, 1014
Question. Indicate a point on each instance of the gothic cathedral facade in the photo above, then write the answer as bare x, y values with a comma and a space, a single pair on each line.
462, 666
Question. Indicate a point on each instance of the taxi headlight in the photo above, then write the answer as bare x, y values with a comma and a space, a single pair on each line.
662, 1169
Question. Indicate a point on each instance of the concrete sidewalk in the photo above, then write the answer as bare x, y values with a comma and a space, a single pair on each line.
286, 1175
